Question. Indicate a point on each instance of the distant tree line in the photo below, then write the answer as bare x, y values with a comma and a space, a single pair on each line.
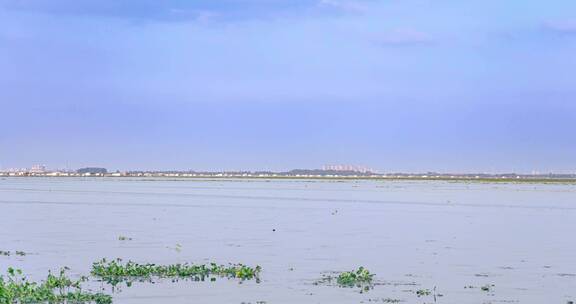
92, 170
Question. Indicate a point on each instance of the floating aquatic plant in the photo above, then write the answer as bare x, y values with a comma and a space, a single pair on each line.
428, 292
356, 277
16, 288
8, 253
423, 292
115, 271
361, 278
487, 287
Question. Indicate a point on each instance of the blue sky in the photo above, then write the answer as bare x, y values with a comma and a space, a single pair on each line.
411, 85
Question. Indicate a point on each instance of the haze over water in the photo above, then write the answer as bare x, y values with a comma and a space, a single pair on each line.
412, 235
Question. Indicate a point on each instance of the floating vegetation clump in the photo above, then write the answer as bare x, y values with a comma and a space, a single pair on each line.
8, 253
361, 278
115, 271
487, 287
16, 288
428, 292
423, 292
356, 277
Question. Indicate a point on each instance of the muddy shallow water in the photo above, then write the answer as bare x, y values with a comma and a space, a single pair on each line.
412, 235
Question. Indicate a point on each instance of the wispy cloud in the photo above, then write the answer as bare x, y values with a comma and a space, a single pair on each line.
175, 10
562, 26
404, 37
347, 6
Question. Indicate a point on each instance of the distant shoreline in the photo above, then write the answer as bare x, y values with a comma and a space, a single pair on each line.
515, 180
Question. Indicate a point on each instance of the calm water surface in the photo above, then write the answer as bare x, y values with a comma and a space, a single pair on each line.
413, 235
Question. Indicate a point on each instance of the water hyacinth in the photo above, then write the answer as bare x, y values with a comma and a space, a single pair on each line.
16, 288
423, 292
8, 253
361, 278
115, 271
354, 278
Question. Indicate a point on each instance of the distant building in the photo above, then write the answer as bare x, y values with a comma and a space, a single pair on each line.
347, 168
38, 169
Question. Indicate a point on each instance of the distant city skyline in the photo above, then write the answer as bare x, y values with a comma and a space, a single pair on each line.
400, 86
38, 168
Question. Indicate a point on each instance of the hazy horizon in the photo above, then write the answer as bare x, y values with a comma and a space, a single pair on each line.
256, 170
413, 86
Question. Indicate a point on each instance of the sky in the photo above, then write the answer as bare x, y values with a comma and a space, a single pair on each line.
395, 85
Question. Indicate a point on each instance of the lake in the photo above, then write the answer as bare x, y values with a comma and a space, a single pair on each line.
414, 235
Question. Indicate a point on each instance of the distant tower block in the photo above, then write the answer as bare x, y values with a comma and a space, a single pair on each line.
38, 169
347, 168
